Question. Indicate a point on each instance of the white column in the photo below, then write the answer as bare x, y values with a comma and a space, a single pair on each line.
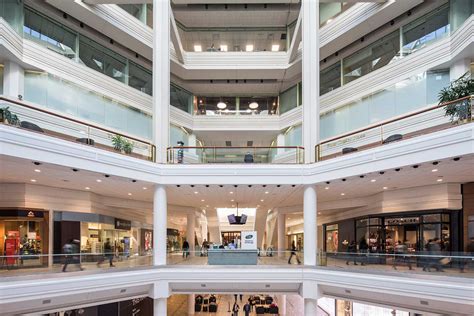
190, 228
459, 68
50, 238
281, 234
160, 211
190, 304
310, 64
310, 307
161, 77
281, 142
159, 305
192, 143
309, 216
282, 305
13, 80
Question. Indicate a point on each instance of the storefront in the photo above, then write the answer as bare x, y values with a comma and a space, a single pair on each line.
24, 233
297, 238
382, 232
173, 240
93, 230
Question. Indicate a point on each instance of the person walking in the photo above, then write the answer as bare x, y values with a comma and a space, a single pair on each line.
401, 251
185, 249
109, 252
293, 253
72, 254
235, 309
363, 249
352, 252
247, 309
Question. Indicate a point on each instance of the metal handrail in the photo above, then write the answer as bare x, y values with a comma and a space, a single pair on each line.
89, 125
383, 123
235, 147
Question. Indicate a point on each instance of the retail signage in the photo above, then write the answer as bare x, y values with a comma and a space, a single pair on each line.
123, 224
22, 213
402, 221
248, 240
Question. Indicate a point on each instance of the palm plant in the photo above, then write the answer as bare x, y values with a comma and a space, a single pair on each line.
118, 142
459, 88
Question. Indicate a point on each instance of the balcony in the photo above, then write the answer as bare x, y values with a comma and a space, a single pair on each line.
414, 124
236, 155
28, 117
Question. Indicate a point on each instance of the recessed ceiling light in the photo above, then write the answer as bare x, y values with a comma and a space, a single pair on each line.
223, 48
326, 188
343, 194
249, 48
434, 170
385, 188
144, 188
207, 205
373, 180
129, 193
232, 200
98, 180
440, 180
262, 200
196, 192
231, 192
275, 48
266, 192
33, 180
87, 188
197, 48
258, 205
37, 170
319, 213
233, 205
202, 200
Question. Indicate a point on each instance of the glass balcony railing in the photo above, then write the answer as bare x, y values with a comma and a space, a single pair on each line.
249, 155
403, 127
27, 117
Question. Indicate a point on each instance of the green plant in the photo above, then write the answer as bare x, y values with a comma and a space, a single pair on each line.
118, 142
459, 88
8, 116
127, 146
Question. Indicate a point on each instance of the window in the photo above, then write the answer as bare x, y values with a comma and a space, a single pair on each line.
12, 12
289, 99
426, 30
50, 34
140, 78
330, 78
181, 99
375, 56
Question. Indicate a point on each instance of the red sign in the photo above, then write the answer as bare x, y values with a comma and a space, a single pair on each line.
11, 250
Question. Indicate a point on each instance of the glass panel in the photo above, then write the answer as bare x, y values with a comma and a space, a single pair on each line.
330, 78
140, 78
50, 34
1, 79
288, 99
432, 218
294, 136
426, 30
266, 105
362, 222
102, 59
460, 10
217, 105
332, 239
375, 56
139, 11
12, 12
375, 221
328, 10
181, 99
177, 135
445, 218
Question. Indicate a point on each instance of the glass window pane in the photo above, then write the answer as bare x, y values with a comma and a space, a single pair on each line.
372, 57
330, 78
50, 34
181, 99
217, 105
1, 79
265, 105
12, 12
288, 99
426, 30
432, 218
140, 78
460, 10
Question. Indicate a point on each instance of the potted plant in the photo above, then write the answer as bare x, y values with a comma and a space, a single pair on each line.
118, 142
7, 116
127, 146
459, 88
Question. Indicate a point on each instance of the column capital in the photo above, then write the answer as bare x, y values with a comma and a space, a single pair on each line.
159, 289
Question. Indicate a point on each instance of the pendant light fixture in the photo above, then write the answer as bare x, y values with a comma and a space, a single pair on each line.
253, 105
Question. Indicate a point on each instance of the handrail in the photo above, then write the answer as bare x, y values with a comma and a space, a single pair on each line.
398, 118
3, 98
236, 147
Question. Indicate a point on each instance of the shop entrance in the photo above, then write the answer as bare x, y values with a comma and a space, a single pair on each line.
228, 237
406, 234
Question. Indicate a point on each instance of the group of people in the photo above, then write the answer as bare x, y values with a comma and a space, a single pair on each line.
72, 254
249, 306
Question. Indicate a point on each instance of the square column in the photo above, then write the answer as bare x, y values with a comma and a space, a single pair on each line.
13, 80
160, 218
160, 306
161, 77
310, 225
310, 293
310, 64
191, 300
190, 228
281, 234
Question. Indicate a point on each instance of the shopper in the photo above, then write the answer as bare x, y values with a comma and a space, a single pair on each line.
185, 249
363, 249
400, 252
247, 309
352, 252
72, 254
109, 252
293, 253
235, 309
433, 259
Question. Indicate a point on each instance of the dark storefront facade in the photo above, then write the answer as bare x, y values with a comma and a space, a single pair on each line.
382, 232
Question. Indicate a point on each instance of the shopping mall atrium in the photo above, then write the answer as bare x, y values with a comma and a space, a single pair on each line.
237, 157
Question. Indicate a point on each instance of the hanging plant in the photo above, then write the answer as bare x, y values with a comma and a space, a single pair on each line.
459, 88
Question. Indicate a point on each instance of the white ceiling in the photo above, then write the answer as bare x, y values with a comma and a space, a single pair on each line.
213, 196
238, 138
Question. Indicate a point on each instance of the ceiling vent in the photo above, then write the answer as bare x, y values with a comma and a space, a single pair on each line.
283, 36
228, 143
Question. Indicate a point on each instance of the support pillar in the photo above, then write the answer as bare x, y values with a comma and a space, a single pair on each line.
310, 225
160, 306
191, 304
310, 294
13, 80
161, 77
190, 228
50, 238
282, 305
459, 68
192, 143
281, 235
310, 307
160, 214
310, 64
281, 143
